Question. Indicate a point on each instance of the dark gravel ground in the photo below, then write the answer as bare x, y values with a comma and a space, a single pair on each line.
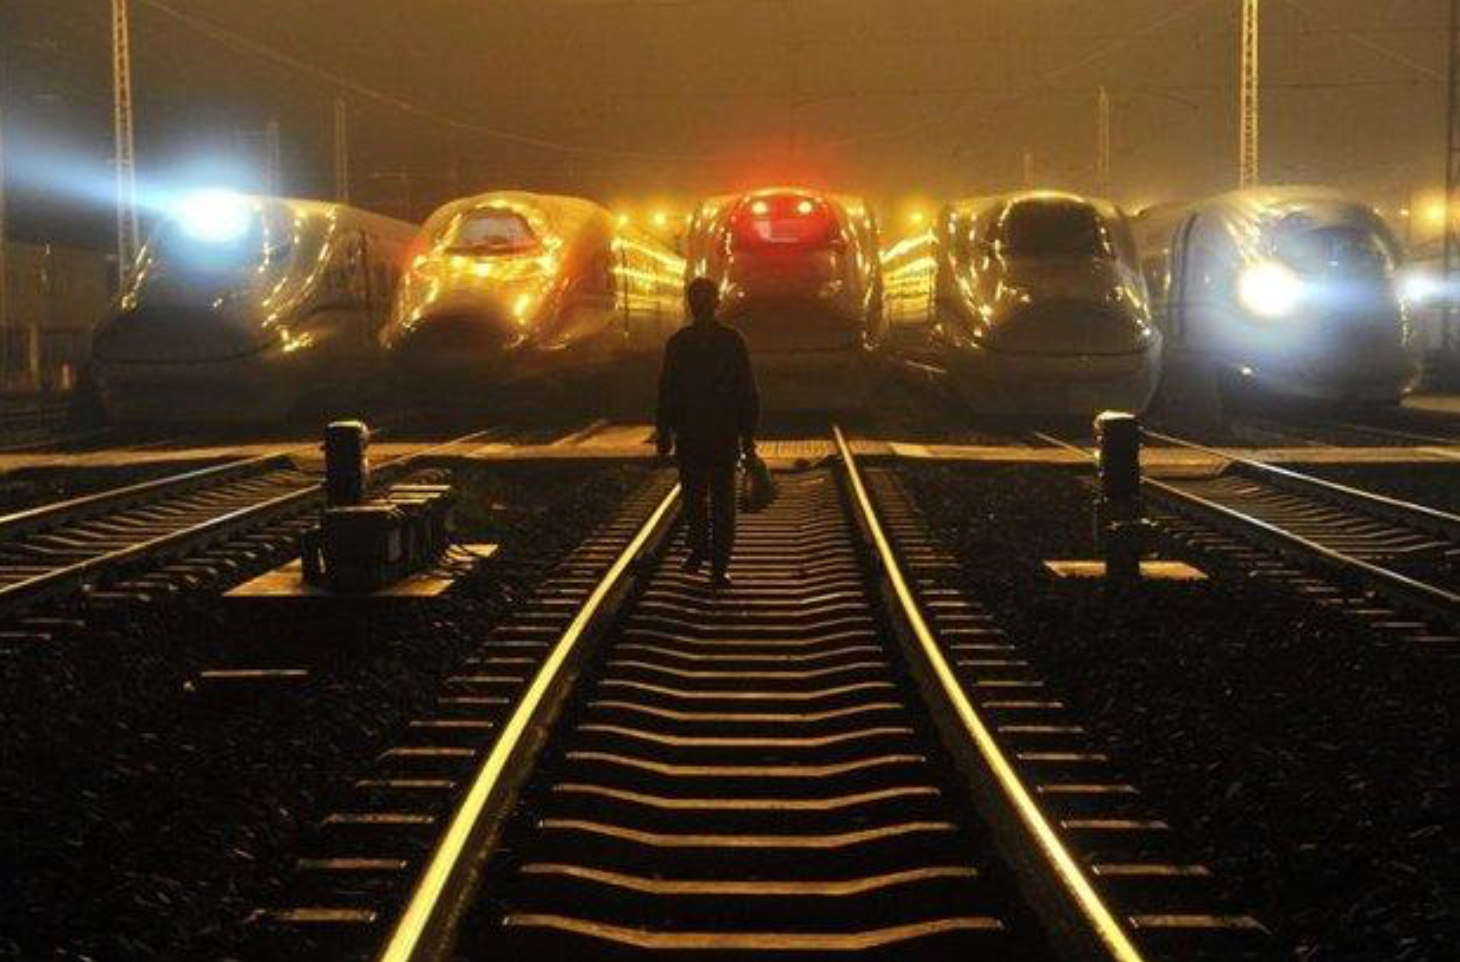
1310, 763
143, 816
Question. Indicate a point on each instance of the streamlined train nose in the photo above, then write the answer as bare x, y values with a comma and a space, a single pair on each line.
183, 331
1084, 308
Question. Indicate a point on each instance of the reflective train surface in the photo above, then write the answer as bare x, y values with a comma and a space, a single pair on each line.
506, 288
1280, 291
243, 308
1029, 303
799, 277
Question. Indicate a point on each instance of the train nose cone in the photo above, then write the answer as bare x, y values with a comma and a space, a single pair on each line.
182, 331
1083, 307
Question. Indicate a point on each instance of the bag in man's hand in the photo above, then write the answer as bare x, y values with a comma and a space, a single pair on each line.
757, 487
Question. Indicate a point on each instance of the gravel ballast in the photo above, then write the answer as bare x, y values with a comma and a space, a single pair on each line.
146, 814
1309, 761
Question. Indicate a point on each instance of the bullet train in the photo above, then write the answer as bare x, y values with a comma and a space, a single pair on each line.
244, 308
1282, 292
507, 289
1027, 303
799, 277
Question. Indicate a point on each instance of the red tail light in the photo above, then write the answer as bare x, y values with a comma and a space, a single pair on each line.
783, 221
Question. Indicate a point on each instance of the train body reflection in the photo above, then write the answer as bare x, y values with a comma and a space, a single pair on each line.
1026, 303
245, 308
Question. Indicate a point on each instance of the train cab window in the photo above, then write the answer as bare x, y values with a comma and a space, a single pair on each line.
492, 231
1346, 249
1045, 228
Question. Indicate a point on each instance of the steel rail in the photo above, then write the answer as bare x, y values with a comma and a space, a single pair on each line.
101, 502
426, 927
1103, 929
1398, 587
70, 577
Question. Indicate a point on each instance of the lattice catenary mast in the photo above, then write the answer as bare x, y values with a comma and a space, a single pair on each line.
125, 155
342, 151
1249, 107
1102, 143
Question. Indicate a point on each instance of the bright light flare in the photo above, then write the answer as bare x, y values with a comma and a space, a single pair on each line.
661, 219
917, 218
1420, 287
1269, 290
215, 216
805, 207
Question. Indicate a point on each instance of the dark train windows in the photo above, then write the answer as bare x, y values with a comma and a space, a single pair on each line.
1346, 249
492, 231
1046, 228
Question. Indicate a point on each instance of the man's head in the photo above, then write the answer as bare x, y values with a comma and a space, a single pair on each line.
703, 297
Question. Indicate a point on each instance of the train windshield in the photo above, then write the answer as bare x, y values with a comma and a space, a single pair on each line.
492, 231
1346, 249
251, 241
1054, 229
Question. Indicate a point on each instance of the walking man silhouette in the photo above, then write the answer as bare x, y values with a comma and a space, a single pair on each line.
708, 409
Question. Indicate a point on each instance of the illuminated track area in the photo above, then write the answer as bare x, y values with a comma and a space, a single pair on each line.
240, 512
839, 753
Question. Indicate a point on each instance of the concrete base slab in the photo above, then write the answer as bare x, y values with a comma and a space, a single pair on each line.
287, 580
1150, 570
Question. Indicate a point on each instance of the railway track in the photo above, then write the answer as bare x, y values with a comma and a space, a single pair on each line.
1340, 544
1406, 552
840, 753
115, 537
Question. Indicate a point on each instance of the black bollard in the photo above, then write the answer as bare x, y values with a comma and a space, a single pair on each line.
346, 467
1119, 516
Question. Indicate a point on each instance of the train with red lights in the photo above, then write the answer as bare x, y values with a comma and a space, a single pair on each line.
510, 289
800, 278
1029, 303
249, 308
1278, 292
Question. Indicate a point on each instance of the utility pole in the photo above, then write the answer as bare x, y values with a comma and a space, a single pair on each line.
125, 148
273, 173
342, 151
1450, 317
1250, 90
1102, 143
4, 270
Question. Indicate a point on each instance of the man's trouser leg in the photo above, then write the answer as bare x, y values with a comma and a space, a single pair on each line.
694, 479
721, 485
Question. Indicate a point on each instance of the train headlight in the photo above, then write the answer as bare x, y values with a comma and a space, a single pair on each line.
215, 216
1268, 289
1420, 287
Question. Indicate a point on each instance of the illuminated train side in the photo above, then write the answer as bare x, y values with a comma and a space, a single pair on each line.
800, 278
244, 308
1028, 303
1280, 291
507, 287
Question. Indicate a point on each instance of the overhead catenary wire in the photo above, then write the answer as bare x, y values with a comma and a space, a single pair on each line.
340, 82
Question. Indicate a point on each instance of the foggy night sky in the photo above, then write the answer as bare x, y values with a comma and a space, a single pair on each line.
672, 99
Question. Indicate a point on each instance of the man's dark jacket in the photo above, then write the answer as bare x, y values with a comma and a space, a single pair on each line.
707, 397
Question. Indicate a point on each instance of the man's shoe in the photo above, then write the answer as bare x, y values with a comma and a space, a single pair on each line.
693, 563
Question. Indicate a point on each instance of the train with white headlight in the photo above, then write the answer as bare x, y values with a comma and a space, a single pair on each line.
509, 289
1024, 304
800, 279
248, 308
1284, 292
